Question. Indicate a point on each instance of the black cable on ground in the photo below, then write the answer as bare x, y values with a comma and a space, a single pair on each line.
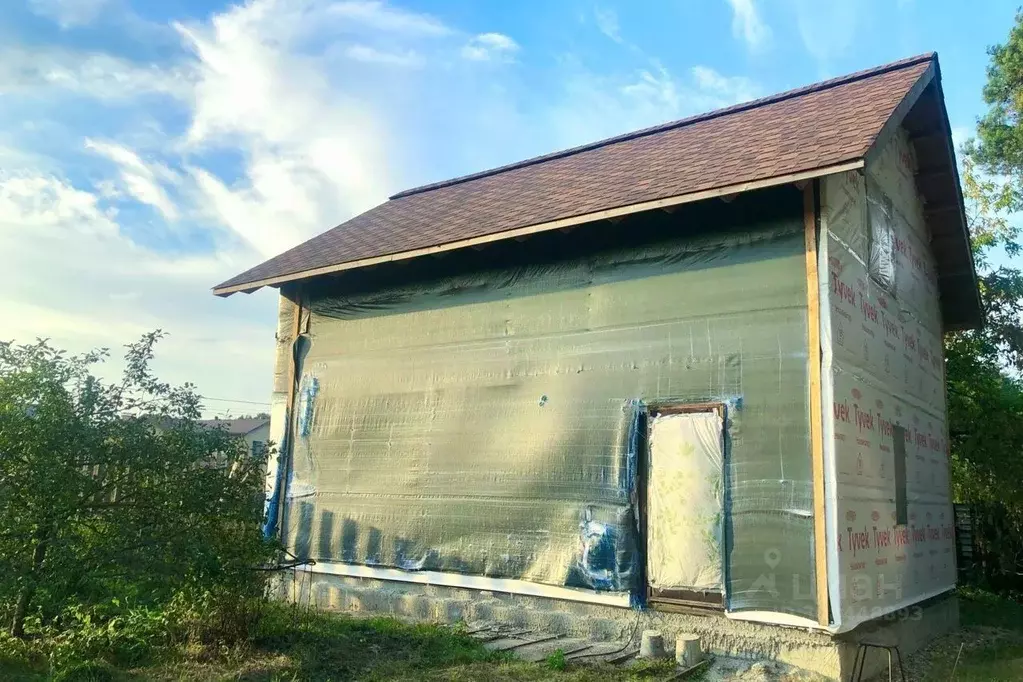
628, 643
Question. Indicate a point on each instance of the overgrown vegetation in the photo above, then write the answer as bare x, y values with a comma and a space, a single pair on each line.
131, 548
988, 648
985, 392
295, 644
125, 524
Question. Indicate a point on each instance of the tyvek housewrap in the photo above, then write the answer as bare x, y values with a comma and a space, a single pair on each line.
480, 423
882, 367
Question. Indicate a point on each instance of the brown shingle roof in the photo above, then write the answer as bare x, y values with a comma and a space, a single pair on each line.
804, 130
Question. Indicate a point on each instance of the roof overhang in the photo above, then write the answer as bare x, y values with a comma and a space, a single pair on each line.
920, 111
608, 214
923, 115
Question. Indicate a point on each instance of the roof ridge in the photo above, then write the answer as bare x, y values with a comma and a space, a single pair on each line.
697, 118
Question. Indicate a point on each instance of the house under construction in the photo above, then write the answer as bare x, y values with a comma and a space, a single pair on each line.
693, 369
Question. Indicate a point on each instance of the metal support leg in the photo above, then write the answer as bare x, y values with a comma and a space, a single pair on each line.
860, 661
860, 651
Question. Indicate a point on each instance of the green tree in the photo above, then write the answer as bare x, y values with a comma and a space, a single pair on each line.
985, 396
114, 492
983, 366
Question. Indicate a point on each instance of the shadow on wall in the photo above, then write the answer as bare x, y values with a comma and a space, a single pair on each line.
607, 550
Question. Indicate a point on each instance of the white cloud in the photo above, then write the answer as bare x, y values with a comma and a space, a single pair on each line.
607, 23
72, 276
372, 55
46, 205
281, 204
748, 26
377, 15
726, 90
597, 106
827, 29
656, 89
140, 179
490, 47
69, 13
313, 154
93, 74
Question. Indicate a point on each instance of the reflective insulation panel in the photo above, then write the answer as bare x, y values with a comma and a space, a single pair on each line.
480, 414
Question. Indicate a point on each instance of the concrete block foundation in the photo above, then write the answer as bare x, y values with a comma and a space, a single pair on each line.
814, 651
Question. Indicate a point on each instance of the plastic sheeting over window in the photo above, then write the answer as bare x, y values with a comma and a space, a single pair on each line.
685, 501
881, 218
485, 423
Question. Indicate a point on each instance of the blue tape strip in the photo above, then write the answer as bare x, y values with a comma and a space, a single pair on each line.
274, 507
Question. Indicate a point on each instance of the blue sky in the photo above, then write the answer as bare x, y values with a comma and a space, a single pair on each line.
150, 150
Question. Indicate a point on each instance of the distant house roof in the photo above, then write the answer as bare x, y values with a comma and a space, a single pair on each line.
237, 427
817, 130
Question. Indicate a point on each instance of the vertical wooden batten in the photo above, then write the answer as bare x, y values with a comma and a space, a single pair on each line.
284, 456
811, 220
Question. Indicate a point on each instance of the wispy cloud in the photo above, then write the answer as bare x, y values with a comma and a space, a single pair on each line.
490, 47
311, 152
598, 106
382, 17
607, 23
372, 55
74, 263
960, 135
94, 74
69, 13
748, 26
828, 30
726, 90
141, 180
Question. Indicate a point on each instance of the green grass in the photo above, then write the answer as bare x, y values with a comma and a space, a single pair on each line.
299, 645
991, 638
978, 608
992, 662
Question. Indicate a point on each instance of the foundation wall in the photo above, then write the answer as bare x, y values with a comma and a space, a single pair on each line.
811, 650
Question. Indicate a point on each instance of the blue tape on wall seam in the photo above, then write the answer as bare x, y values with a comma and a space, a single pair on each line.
274, 506
609, 556
310, 387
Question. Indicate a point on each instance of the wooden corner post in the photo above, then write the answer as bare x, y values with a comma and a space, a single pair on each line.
287, 447
811, 224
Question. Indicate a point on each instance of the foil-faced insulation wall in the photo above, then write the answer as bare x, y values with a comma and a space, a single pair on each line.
485, 423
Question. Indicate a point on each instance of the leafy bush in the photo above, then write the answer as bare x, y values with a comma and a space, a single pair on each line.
556, 660
89, 671
125, 522
122, 636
